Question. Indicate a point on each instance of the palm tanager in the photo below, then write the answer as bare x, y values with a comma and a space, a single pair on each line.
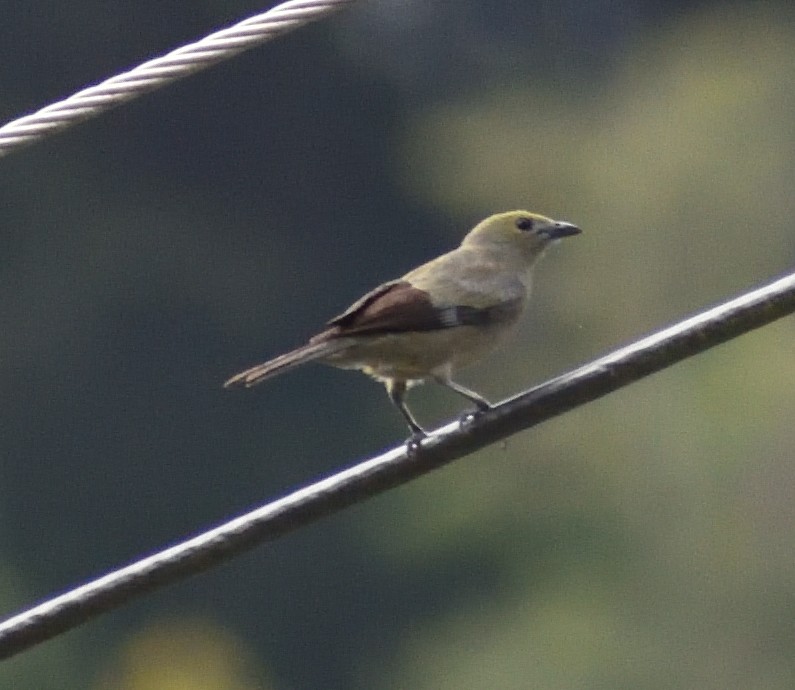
436, 318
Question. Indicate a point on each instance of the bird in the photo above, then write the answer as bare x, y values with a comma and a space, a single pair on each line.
435, 319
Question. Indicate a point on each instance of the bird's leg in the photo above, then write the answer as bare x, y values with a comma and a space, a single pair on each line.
480, 402
397, 393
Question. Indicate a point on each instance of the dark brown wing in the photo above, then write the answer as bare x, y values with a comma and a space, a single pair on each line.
394, 306
362, 303
398, 307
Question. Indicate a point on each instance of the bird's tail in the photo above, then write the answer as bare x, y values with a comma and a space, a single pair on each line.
277, 365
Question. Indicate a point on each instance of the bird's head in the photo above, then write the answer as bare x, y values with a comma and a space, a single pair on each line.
522, 233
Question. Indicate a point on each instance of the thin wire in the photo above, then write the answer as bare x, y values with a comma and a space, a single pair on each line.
315, 501
158, 72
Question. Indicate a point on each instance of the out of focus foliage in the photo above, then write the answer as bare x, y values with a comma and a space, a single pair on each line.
182, 655
644, 541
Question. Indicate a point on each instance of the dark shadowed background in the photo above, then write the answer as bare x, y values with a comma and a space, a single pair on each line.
645, 541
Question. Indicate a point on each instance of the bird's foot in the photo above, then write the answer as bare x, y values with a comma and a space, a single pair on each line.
469, 417
414, 442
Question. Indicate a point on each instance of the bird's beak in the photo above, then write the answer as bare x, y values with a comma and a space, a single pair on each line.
561, 229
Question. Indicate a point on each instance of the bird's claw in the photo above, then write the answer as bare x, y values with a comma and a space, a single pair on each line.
469, 417
414, 442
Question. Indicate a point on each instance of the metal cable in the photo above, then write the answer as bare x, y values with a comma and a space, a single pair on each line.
158, 72
320, 499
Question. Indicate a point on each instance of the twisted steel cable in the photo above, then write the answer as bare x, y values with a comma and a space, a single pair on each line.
161, 71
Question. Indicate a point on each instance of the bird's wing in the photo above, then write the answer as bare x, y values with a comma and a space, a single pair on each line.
362, 303
399, 307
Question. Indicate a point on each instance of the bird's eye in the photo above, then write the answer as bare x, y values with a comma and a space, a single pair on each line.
524, 223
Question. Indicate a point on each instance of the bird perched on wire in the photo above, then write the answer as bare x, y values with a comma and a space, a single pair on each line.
436, 318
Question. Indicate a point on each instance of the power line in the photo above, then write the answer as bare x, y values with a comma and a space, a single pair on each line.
692, 336
161, 71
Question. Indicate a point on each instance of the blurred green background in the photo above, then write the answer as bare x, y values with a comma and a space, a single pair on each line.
644, 541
